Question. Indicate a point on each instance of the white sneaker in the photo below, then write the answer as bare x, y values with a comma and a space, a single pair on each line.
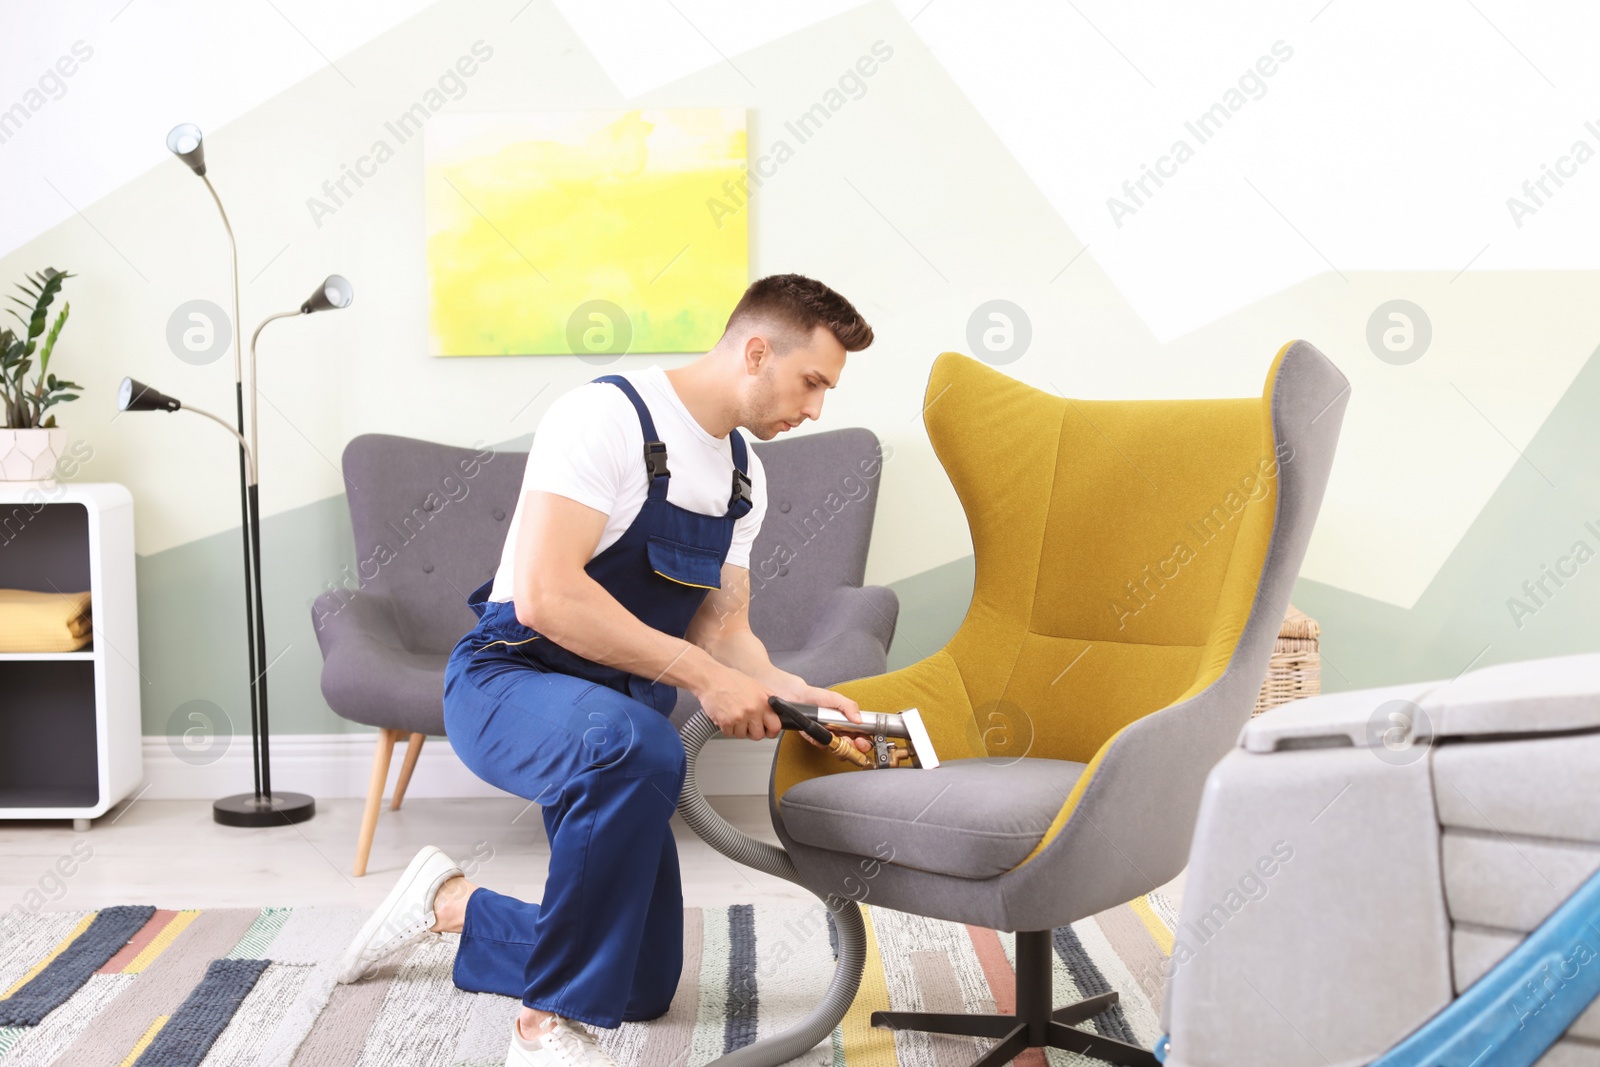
563, 1044
403, 918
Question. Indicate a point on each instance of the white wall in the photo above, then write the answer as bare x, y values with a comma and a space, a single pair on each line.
1377, 161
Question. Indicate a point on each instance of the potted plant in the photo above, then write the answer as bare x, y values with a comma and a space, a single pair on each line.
31, 443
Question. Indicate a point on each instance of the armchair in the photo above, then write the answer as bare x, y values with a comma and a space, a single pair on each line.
429, 522
1133, 562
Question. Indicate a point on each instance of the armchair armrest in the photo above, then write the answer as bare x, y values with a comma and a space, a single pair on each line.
1131, 815
342, 621
871, 609
368, 674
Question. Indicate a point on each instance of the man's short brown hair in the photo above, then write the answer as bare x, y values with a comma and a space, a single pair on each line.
797, 305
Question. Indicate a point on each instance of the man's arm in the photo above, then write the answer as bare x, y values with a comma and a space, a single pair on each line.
722, 628
552, 593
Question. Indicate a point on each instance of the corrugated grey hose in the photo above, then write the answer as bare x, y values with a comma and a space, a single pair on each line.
714, 830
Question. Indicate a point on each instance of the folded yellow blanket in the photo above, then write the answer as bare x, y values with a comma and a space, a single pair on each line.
44, 622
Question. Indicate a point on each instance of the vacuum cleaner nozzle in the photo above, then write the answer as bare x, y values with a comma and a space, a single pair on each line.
823, 725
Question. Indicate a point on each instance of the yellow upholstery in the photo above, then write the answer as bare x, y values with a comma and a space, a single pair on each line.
1118, 546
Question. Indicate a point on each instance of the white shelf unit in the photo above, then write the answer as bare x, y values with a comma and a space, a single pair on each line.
70, 744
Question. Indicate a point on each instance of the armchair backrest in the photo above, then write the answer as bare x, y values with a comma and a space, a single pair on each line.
822, 491
1119, 547
429, 521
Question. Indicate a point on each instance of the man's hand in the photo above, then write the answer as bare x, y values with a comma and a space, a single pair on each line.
825, 698
737, 703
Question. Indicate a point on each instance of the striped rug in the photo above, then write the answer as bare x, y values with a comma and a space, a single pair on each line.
139, 986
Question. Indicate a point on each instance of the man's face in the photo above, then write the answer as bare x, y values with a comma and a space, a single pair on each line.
790, 388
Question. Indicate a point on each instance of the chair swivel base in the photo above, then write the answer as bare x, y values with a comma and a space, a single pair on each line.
1034, 1025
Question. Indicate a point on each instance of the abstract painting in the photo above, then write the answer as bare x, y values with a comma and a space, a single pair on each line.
586, 233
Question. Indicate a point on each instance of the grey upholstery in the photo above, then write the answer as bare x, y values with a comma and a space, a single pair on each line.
976, 818
430, 520
1130, 830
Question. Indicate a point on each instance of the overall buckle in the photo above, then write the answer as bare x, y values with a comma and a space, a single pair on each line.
741, 490
655, 458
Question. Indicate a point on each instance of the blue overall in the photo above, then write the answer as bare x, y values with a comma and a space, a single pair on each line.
594, 747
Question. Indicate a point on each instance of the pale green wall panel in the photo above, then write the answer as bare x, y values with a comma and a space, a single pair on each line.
1545, 506
932, 605
192, 623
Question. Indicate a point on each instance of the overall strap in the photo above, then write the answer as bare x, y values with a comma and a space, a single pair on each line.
655, 451
740, 503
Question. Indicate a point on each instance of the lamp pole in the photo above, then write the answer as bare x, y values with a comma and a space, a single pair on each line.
254, 493
268, 808
335, 292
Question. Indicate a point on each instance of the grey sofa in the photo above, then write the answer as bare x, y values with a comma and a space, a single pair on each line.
1435, 846
429, 522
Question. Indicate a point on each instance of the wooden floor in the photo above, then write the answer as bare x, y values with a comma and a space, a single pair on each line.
171, 854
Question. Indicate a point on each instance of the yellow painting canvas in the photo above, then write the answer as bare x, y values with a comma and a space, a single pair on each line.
584, 233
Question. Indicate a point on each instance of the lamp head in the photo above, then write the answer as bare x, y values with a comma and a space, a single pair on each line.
137, 396
332, 294
185, 142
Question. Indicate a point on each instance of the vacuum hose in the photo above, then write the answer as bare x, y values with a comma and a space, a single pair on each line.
715, 831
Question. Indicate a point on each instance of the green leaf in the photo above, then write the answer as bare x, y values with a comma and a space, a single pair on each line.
46, 293
55, 331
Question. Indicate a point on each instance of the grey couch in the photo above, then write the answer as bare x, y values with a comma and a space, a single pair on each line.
430, 520
1435, 847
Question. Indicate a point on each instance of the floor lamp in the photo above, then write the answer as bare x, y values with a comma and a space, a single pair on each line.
262, 807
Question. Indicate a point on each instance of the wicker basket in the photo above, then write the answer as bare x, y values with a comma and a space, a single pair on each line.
1296, 667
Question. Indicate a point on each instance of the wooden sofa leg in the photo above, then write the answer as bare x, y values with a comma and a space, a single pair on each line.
369, 816
413, 750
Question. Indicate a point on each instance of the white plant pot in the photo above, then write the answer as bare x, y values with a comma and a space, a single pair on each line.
29, 457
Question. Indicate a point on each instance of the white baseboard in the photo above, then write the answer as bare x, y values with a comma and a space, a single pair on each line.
339, 765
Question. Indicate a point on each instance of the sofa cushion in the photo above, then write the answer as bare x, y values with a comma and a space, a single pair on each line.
972, 818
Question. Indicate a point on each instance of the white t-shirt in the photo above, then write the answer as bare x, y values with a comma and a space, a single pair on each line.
589, 447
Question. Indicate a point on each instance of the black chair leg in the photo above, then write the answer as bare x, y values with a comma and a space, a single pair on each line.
1034, 1025
939, 1023
1084, 1009
1007, 1049
1105, 1048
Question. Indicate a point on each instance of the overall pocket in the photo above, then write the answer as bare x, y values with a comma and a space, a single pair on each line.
684, 564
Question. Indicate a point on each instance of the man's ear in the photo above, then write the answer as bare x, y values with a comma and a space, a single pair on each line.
756, 351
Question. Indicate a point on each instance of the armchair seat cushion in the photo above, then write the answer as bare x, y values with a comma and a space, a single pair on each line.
971, 818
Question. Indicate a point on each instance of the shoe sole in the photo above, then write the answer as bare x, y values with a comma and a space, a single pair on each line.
379, 918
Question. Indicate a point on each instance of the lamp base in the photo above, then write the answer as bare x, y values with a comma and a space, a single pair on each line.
280, 809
